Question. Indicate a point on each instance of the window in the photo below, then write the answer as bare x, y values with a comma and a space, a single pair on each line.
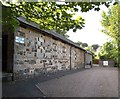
20, 40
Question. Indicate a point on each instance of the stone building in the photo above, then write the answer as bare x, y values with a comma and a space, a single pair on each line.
31, 51
88, 58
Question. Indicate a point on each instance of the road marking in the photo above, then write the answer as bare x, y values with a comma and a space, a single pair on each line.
37, 85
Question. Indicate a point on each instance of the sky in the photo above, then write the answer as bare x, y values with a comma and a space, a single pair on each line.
91, 33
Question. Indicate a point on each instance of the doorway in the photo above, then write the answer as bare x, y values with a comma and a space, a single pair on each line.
4, 53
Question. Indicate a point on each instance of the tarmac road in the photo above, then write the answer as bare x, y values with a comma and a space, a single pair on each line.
95, 82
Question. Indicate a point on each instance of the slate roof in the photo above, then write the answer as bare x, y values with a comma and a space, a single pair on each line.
89, 52
54, 34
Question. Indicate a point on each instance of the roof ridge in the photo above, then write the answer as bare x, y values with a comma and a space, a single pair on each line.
53, 33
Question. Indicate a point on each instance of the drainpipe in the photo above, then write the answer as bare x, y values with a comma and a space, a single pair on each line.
70, 58
13, 56
84, 59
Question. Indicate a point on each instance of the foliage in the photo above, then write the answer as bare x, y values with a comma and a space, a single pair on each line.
90, 48
79, 43
49, 15
9, 23
84, 45
111, 23
109, 51
95, 47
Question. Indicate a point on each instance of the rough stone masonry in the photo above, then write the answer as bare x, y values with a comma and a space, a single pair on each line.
37, 52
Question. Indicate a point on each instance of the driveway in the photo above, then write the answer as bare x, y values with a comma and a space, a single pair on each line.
94, 82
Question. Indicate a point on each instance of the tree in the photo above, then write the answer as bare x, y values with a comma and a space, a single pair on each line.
79, 43
90, 48
49, 15
111, 23
84, 45
108, 51
95, 47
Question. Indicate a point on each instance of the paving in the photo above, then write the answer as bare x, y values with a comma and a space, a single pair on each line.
93, 82
28, 88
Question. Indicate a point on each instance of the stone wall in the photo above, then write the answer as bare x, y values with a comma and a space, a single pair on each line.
37, 53
110, 62
77, 58
88, 58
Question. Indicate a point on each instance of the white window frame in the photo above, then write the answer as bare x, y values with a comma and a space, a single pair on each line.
20, 40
